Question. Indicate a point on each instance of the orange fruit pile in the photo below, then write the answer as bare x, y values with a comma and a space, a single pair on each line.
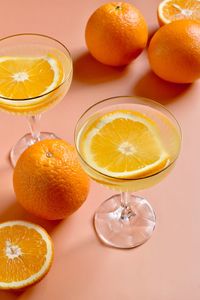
174, 51
49, 181
116, 33
26, 254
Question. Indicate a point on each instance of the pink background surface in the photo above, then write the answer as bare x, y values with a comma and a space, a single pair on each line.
167, 266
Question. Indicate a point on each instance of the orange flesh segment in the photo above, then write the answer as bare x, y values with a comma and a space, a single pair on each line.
171, 10
24, 251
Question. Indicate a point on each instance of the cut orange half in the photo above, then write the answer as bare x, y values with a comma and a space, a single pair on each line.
172, 10
123, 144
26, 254
29, 77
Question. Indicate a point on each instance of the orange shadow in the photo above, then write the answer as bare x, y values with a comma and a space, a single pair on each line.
89, 70
153, 87
16, 212
10, 295
152, 31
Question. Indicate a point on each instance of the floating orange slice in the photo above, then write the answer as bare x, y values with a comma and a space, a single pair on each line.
28, 77
123, 144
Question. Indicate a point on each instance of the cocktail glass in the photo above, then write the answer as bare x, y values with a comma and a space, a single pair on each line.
34, 45
126, 220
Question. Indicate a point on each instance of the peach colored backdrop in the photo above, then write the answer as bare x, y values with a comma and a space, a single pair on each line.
167, 266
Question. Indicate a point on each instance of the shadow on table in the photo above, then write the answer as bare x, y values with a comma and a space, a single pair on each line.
152, 31
89, 70
16, 212
10, 295
153, 87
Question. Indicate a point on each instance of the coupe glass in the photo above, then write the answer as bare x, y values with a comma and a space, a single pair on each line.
35, 45
126, 220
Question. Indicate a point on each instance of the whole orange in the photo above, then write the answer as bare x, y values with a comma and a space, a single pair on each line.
174, 51
49, 181
116, 33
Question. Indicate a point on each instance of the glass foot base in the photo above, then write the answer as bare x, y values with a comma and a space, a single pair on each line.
122, 227
26, 141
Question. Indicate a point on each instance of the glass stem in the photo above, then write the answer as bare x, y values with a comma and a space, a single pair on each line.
127, 211
34, 125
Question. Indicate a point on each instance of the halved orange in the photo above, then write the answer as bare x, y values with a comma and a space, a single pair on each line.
26, 254
28, 77
123, 144
172, 10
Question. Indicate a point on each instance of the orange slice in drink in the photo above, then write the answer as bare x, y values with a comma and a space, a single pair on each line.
171, 10
123, 144
29, 77
26, 254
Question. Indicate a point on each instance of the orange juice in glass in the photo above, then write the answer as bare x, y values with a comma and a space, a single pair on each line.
35, 74
127, 144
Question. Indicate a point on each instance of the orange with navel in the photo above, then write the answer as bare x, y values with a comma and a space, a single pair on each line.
116, 33
49, 181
